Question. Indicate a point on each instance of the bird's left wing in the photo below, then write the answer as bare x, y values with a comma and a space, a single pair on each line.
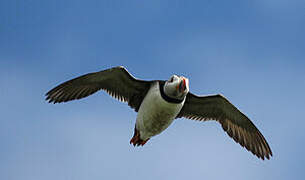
115, 81
235, 123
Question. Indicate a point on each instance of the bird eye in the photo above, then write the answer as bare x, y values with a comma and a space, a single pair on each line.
172, 79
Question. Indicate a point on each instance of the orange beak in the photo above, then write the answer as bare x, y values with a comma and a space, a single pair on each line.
181, 87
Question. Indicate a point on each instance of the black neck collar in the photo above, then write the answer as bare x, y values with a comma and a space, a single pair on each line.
167, 98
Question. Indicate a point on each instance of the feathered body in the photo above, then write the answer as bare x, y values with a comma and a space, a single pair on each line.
155, 113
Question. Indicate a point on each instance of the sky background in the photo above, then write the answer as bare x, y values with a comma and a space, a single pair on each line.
253, 52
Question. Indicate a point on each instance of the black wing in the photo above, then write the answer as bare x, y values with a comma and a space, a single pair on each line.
235, 123
115, 81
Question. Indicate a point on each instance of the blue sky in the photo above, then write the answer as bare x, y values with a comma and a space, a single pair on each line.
253, 52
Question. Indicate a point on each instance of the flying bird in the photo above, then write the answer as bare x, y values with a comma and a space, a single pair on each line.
160, 102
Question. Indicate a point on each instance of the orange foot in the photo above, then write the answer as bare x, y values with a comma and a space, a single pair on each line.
136, 140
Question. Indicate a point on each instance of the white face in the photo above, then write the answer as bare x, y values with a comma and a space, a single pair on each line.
176, 87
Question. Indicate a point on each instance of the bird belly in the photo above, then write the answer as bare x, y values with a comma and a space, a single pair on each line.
155, 114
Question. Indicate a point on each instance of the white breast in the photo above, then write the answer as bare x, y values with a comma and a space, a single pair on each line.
155, 114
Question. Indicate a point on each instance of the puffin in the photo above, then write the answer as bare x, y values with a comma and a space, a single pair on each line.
159, 102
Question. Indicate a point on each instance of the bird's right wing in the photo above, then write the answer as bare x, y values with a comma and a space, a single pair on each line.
115, 81
235, 123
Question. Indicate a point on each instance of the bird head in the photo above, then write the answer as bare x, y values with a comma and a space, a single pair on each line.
176, 87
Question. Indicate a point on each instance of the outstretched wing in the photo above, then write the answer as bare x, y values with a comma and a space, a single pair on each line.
115, 81
235, 123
